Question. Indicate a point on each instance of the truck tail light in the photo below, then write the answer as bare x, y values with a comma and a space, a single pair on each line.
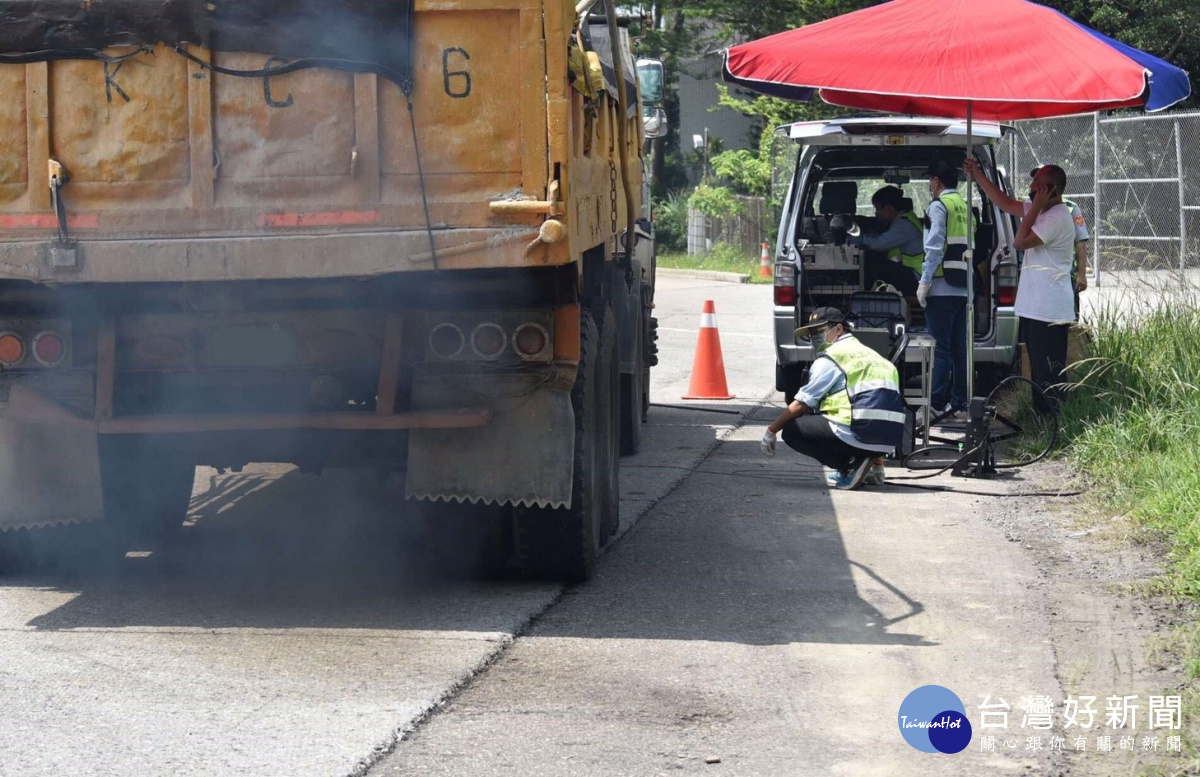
12, 348
1006, 275
531, 341
785, 283
446, 341
488, 341
49, 349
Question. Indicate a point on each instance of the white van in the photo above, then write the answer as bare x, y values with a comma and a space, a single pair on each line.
840, 163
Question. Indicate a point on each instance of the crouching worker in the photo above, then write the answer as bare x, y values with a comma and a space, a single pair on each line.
849, 413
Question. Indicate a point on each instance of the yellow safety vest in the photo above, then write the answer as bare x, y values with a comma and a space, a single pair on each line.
954, 263
871, 404
914, 262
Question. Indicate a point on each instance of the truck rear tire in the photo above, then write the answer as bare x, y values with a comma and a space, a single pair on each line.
651, 359
463, 541
632, 391
631, 413
563, 543
147, 486
609, 421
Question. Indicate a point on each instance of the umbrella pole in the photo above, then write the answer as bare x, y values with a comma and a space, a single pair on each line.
970, 267
979, 462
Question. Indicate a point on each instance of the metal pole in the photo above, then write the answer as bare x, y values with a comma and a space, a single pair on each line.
1182, 212
970, 256
1012, 160
1096, 220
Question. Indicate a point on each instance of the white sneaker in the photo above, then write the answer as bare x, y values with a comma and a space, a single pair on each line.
956, 417
876, 476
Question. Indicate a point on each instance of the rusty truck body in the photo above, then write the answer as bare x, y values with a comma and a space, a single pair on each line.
388, 235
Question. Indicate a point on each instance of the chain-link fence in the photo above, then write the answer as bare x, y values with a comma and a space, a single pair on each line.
746, 230
1135, 178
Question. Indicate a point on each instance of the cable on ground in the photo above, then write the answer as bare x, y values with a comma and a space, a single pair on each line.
786, 478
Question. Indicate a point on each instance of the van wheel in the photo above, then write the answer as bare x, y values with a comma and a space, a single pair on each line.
989, 375
788, 379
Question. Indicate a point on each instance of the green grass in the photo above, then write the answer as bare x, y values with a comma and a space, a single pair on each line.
722, 258
1132, 426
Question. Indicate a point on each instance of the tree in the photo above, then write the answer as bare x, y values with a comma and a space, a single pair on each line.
1166, 28
749, 172
1169, 29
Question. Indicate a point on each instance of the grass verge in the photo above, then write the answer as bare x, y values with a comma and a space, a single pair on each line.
722, 258
1132, 424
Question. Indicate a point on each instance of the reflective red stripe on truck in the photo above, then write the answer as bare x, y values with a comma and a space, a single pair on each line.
47, 221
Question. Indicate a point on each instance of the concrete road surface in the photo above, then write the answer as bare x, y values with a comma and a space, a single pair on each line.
746, 622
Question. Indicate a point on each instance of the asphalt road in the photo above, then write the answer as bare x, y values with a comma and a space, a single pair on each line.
290, 632
745, 614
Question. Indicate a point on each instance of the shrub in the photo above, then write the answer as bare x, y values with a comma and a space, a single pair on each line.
715, 201
670, 222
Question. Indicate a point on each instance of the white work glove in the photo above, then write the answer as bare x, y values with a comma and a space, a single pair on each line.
922, 293
768, 443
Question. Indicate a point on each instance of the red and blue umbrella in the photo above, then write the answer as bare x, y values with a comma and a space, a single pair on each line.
999, 60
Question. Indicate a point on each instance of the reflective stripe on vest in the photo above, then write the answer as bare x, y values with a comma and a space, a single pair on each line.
914, 262
954, 258
870, 405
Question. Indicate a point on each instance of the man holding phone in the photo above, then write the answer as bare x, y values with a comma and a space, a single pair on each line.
1045, 293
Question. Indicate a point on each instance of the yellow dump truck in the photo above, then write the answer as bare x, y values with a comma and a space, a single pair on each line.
333, 233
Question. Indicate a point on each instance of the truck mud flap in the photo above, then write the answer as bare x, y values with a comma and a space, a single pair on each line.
49, 475
523, 456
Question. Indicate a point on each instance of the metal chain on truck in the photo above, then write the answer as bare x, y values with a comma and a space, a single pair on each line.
612, 190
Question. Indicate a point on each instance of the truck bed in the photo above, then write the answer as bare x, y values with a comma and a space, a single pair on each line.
177, 172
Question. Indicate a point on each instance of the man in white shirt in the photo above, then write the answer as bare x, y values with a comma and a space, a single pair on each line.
1045, 294
1082, 236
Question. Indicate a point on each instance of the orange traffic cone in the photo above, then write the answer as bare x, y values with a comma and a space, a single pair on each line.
764, 266
708, 368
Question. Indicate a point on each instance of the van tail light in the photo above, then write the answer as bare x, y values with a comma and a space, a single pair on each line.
1006, 275
785, 283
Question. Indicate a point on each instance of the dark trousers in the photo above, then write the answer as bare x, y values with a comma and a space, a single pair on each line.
1046, 344
946, 318
878, 268
810, 435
